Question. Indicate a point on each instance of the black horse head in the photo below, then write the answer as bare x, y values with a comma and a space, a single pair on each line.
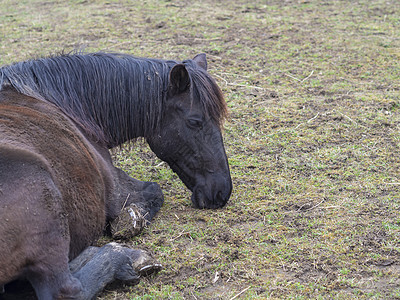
190, 139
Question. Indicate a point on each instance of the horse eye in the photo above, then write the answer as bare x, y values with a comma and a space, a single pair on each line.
195, 123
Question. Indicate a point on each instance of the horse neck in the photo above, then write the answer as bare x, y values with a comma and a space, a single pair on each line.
116, 99
140, 118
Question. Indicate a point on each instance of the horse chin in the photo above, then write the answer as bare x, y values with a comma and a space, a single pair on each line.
198, 202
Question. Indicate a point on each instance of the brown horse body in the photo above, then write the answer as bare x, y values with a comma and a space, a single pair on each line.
58, 187
57, 190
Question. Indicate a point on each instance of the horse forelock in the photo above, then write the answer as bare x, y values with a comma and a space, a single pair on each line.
208, 92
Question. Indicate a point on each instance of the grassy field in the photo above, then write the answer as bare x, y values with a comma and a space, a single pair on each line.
313, 140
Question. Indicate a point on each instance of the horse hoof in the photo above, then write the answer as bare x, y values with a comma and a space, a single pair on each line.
149, 269
141, 262
128, 224
144, 264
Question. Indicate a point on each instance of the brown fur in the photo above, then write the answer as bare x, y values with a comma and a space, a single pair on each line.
54, 185
58, 187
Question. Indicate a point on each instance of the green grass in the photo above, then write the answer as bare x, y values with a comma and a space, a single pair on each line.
313, 140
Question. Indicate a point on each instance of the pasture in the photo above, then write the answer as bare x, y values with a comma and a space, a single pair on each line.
312, 137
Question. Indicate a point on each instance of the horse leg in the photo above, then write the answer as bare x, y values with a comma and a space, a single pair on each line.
147, 196
49, 285
35, 237
96, 267
91, 271
48, 248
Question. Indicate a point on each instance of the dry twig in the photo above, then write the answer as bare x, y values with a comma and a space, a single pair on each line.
240, 293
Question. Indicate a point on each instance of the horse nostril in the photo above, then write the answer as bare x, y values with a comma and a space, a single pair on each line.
220, 200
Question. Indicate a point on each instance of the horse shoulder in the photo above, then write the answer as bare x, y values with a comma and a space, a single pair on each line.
30, 211
77, 169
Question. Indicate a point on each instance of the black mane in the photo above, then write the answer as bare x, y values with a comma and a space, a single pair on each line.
113, 97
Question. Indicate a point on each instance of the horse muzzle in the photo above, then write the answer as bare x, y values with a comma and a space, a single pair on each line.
213, 193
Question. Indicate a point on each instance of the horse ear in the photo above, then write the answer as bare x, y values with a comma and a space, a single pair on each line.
179, 79
201, 60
